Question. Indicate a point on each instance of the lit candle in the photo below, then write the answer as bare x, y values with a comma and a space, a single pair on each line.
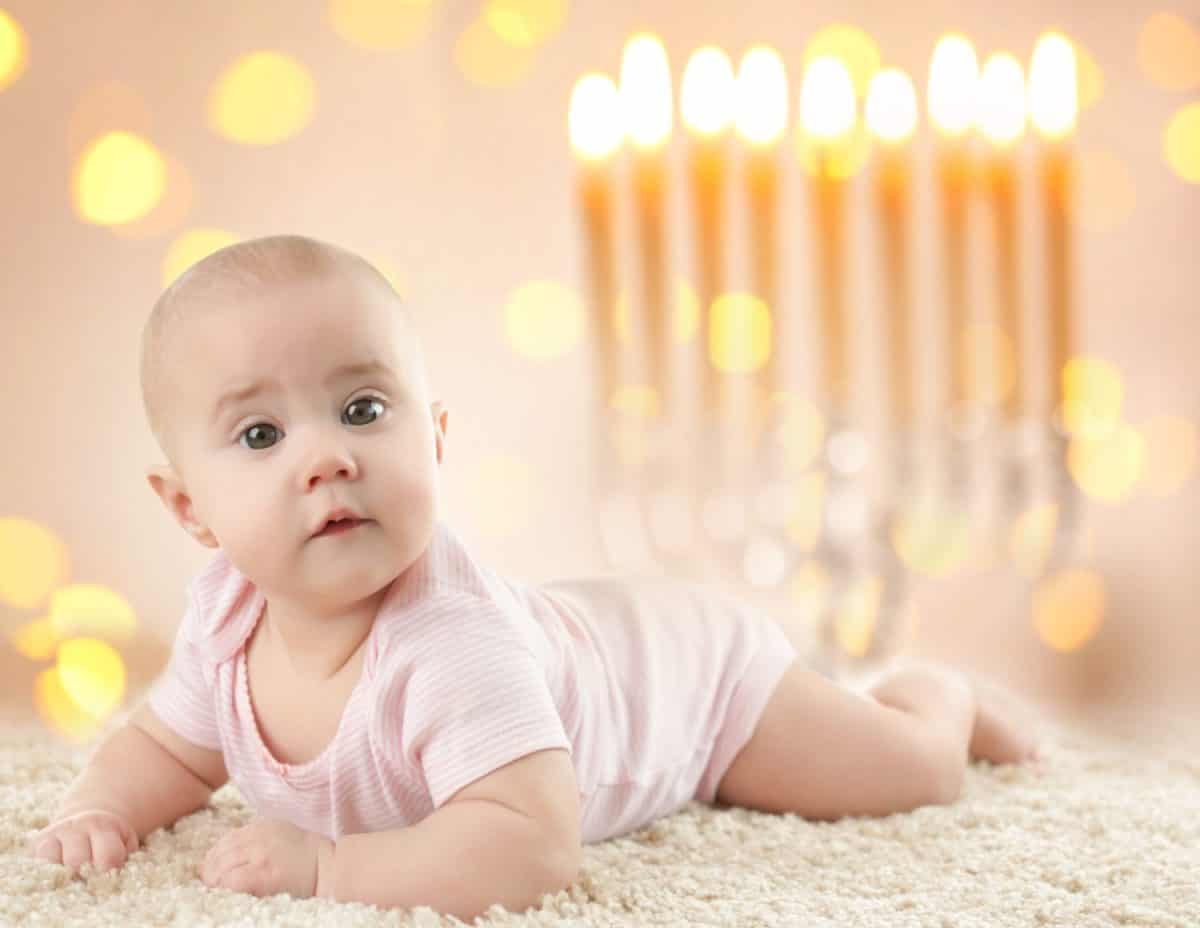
891, 115
594, 124
1053, 107
1000, 117
827, 117
645, 97
761, 118
953, 74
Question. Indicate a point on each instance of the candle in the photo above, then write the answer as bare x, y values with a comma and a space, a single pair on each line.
761, 118
645, 98
1001, 121
891, 115
953, 73
706, 105
1053, 107
827, 116
594, 123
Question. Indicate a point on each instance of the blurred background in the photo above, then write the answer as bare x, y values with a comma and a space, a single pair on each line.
432, 137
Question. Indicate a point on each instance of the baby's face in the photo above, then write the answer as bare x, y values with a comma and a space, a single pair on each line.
342, 420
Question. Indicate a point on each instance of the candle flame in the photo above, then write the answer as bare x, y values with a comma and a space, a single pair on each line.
827, 103
594, 118
1053, 98
706, 99
953, 74
645, 90
762, 96
1000, 113
892, 106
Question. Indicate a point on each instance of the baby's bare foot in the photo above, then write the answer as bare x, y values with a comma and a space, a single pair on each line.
1006, 732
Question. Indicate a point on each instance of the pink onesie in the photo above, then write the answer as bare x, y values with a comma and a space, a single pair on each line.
653, 686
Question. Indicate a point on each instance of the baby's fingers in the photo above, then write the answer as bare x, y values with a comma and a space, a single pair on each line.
76, 848
108, 850
45, 847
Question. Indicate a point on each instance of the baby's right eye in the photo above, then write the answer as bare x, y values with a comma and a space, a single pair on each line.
259, 428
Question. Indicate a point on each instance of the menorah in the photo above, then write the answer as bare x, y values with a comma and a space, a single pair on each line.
714, 457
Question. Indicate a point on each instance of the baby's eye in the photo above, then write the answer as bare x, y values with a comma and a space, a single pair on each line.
254, 432
373, 406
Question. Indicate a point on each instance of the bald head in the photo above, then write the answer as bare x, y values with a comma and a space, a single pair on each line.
233, 277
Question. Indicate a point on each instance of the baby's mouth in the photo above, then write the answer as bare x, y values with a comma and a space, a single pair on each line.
340, 526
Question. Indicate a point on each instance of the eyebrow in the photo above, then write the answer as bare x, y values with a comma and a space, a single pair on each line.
240, 394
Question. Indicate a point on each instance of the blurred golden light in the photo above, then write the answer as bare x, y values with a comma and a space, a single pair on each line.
544, 320
1000, 107
798, 426
932, 538
14, 50
485, 59
1032, 538
857, 615
1068, 608
809, 589
594, 116
739, 340
953, 76
707, 97
635, 400
1182, 143
262, 99
1107, 193
1171, 445
804, 515
851, 45
119, 178
526, 23
190, 247
92, 674
59, 710
827, 104
170, 211
1092, 396
645, 91
500, 495
1168, 52
33, 561
381, 25
1053, 95
1107, 466
989, 349
36, 640
87, 609
1089, 78
891, 111
761, 96
685, 317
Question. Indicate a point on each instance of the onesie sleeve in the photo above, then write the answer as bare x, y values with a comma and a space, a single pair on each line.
183, 695
470, 698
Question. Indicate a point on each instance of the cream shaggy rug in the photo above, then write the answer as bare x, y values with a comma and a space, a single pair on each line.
1106, 832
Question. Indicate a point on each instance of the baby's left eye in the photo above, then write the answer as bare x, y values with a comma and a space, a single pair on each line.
373, 404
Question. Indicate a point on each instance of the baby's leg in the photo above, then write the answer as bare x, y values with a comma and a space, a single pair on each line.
825, 751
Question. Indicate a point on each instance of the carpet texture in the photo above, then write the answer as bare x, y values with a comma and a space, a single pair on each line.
1105, 832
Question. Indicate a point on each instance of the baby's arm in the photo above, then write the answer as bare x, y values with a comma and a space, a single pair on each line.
147, 774
507, 838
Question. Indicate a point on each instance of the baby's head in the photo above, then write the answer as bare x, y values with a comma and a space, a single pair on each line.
343, 419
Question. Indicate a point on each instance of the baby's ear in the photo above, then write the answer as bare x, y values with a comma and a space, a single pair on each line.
170, 489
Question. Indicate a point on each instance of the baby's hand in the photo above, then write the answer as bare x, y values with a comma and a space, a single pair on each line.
101, 838
264, 858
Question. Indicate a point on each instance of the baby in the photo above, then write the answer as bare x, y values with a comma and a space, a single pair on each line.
410, 727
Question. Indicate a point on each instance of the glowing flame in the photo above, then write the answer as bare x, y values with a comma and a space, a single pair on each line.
1001, 109
1053, 97
827, 103
762, 96
706, 99
953, 74
892, 106
646, 91
594, 118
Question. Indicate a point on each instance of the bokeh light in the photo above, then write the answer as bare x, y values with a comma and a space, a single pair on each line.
92, 674
594, 117
857, 615
170, 212
685, 316
761, 96
739, 339
381, 25
953, 78
487, 60
1089, 78
809, 590
1168, 52
1107, 192
1000, 104
526, 23
33, 561
37, 640
805, 514
635, 400
544, 320
60, 712
796, 423
1171, 446
1107, 466
1093, 395
708, 95
891, 110
1031, 538
1053, 91
645, 91
853, 47
932, 537
14, 50
1181, 142
263, 98
830, 141
500, 495
91, 610
190, 247
119, 178
1068, 608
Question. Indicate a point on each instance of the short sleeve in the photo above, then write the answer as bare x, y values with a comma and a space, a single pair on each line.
474, 699
182, 696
